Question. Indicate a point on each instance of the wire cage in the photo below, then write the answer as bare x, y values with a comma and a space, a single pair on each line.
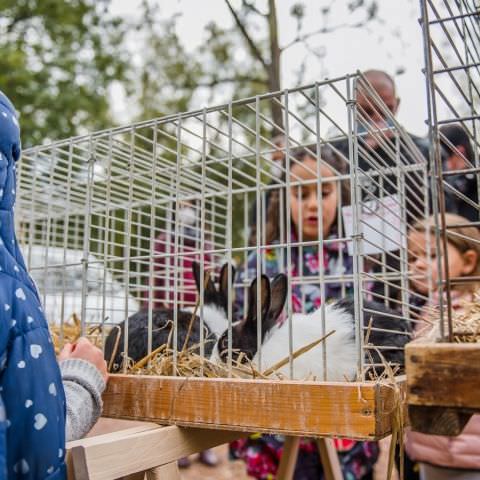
442, 365
451, 32
124, 228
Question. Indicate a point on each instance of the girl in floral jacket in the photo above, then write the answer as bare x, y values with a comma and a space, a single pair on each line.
262, 452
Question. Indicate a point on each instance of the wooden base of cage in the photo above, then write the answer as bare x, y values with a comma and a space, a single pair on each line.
138, 451
132, 450
442, 386
358, 410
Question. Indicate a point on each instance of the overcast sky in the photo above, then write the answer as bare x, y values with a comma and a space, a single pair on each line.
395, 44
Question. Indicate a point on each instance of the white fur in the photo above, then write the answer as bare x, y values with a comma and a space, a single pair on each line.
214, 317
341, 350
215, 355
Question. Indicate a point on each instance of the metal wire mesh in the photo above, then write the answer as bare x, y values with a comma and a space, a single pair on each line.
451, 32
112, 222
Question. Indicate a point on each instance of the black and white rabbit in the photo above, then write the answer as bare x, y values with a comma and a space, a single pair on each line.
214, 314
306, 328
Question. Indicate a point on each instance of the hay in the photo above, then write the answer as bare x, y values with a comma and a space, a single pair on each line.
164, 361
188, 363
71, 331
465, 322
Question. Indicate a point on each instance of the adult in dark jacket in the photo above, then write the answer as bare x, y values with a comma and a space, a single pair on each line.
33, 402
459, 156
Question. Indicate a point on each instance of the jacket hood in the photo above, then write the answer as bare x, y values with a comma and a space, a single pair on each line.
11, 259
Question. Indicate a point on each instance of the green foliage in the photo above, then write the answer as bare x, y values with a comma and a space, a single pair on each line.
58, 59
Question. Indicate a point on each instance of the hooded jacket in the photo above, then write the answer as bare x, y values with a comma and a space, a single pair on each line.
32, 398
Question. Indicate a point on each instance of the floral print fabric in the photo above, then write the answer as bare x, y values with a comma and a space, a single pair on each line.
262, 453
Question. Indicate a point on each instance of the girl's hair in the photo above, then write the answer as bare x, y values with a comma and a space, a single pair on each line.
462, 238
273, 214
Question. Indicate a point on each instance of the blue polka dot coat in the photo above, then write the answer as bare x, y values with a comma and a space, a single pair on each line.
32, 399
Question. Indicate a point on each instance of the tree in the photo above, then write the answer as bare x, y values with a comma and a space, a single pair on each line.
214, 67
58, 60
170, 79
269, 57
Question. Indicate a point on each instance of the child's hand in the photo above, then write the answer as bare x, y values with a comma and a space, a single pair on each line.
85, 350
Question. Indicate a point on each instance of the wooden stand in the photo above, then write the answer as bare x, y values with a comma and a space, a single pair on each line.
442, 386
127, 450
221, 410
145, 449
312, 409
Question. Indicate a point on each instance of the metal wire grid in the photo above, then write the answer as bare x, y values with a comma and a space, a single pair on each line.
451, 31
100, 215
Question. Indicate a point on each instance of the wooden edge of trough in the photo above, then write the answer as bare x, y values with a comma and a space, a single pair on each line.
359, 410
443, 388
443, 374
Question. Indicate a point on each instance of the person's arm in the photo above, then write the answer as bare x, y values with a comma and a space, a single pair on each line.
84, 376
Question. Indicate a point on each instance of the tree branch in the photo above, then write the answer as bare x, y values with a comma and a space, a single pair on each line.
253, 8
238, 78
255, 51
323, 30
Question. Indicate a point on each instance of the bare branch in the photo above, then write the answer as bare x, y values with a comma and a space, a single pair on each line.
238, 78
255, 51
253, 8
323, 30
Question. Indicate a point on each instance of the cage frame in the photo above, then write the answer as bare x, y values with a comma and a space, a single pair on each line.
362, 410
442, 392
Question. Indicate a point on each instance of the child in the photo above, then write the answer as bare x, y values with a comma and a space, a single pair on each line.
262, 452
463, 258
453, 458
34, 391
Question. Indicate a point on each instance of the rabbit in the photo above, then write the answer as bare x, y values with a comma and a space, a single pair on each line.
341, 348
215, 322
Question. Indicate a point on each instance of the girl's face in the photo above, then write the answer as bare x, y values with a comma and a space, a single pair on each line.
304, 201
459, 264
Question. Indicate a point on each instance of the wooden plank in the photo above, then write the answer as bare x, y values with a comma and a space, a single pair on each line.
113, 455
443, 375
329, 458
353, 410
113, 435
135, 476
166, 472
288, 460
109, 425
390, 397
438, 420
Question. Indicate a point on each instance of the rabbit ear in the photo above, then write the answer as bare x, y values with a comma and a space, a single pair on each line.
253, 301
208, 285
279, 290
196, 274
224, 279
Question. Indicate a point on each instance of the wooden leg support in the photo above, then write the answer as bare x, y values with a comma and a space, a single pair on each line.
329, 458
166, 472
289, 458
